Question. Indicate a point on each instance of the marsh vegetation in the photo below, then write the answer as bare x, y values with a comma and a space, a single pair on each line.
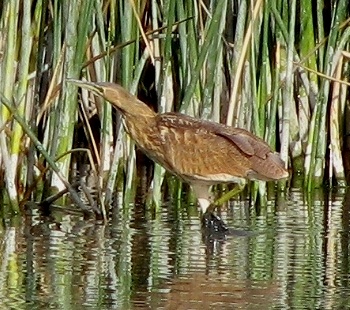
277, 68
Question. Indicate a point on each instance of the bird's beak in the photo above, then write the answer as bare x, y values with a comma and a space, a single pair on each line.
94, 87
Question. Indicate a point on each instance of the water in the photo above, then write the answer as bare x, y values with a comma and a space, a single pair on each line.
291, 254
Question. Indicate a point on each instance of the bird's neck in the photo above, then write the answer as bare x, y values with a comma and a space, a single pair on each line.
140, 123
131, 107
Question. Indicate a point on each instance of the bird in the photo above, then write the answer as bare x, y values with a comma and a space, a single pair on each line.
201, 153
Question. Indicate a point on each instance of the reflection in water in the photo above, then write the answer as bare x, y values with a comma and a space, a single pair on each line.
199, 291
287, 255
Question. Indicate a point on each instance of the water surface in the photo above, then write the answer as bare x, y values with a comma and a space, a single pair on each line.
291, 254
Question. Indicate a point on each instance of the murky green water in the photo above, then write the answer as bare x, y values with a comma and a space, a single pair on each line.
289, 255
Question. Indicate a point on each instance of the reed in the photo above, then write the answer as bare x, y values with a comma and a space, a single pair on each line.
273, 67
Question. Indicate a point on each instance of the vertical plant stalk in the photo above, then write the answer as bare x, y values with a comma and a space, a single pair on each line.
33, 115
144, 37
164, 87
265, 81
41, 149
7, 88
26, 47
9, 64
318, 148
195, 74
288, 89
335, 156
218, 86
102, 70
213, 67
307, 91
128, 31
234, 61
191, 39
231, 121
270, 132
75, 35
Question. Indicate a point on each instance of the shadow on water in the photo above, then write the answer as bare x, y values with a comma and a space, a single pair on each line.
287, 255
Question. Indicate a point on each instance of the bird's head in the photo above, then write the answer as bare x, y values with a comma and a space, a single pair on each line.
118, 96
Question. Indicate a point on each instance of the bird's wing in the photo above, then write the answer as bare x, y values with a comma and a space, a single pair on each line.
212, 151
248, 143
193, 149
265, 163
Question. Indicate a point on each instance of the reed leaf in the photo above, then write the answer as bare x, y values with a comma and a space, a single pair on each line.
276, 68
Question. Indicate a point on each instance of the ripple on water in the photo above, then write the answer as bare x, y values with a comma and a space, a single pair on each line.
291, 254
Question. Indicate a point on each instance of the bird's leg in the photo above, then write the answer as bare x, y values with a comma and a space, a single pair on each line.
203, 196
214, 222
211, 222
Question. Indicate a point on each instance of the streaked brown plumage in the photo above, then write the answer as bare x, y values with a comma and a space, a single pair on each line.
202, 153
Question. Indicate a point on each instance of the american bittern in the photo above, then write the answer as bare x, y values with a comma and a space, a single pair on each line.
200, 152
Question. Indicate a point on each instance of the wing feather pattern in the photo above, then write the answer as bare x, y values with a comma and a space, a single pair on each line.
197, 149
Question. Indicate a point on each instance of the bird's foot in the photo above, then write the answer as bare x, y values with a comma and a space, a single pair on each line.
213, 224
